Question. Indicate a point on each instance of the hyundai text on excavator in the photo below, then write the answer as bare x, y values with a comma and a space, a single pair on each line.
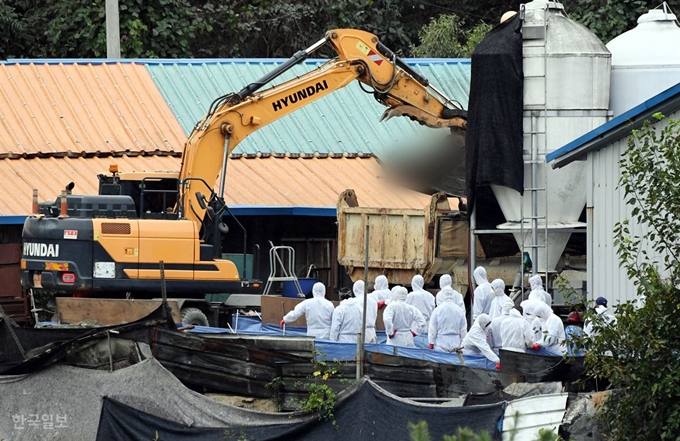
112, 243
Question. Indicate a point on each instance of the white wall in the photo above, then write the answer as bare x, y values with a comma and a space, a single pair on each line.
605, 207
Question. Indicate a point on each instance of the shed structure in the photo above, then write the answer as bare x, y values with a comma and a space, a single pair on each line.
606, 205
66, 121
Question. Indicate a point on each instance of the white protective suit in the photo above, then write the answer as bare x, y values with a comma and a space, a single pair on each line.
516, 332
608, 320
552, 330
371, 310
475, 342
499, 299
495, 337
318, 313
346, 323
445, 285
537, 291
381, 289
448, 325
399, 317
529, 307
420, 298
483, 293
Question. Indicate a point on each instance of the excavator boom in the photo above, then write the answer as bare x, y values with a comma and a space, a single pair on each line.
360, 56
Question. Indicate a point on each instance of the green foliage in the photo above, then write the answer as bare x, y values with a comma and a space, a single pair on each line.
639, 355
321, 397
446, 37
621, 15
192, 28
275, 386
153, 29
419, 432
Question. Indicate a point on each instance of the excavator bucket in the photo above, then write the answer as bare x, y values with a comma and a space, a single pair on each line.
457, 118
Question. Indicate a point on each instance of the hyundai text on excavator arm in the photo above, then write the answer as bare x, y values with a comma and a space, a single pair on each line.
113, 242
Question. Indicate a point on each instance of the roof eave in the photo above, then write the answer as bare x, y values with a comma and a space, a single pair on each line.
665, 103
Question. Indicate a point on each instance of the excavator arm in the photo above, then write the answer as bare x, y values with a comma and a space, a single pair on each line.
233, 117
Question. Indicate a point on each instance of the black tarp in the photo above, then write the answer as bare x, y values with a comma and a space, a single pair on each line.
77, 395
44, 346
363, 411
494, 130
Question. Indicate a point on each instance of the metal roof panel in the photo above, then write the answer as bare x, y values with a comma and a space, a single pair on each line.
257, 182
83, 109
346, 121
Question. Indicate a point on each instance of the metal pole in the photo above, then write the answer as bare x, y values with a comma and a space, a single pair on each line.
534, 196
473, 253
33, 308
358, 357
164, 293
223, 172
112, 29
360, 362
283, 311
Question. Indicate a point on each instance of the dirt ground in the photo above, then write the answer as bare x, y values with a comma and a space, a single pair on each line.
258, 404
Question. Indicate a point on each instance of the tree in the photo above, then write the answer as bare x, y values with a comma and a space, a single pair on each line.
279, 28
621, 15
446, 37
18, 21
640, 356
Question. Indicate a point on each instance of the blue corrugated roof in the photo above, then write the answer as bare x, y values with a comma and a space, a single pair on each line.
256, 210
346, 121
617, 128
12, 220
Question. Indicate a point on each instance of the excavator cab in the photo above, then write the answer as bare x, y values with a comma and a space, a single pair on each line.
155, 195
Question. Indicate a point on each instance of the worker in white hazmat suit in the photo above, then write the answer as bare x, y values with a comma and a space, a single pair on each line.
445, 283
346, 322
516, 332
499, 299
475, 342
481, 303
529, 312
537, 291
601, 310
371, 310
318, 313
552, 331
400, 317
448, 325
420, 298
381, 290
495, 338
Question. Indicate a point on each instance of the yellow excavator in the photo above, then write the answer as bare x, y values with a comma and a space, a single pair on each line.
113, 242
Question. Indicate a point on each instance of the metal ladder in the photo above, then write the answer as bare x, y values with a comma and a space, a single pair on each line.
282, 258
536, 151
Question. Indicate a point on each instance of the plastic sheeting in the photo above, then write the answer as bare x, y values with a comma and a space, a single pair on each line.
362, 411
494, 136
65, 402
331, 350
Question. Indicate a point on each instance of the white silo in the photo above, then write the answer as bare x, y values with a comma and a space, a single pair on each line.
566, 94
645, 60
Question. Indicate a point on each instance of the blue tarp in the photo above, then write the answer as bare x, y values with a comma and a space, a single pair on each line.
347, 351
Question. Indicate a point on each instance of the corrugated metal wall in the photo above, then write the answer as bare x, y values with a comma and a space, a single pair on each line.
607, 206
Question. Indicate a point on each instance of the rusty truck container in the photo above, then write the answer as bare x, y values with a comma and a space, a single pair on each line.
404, 242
